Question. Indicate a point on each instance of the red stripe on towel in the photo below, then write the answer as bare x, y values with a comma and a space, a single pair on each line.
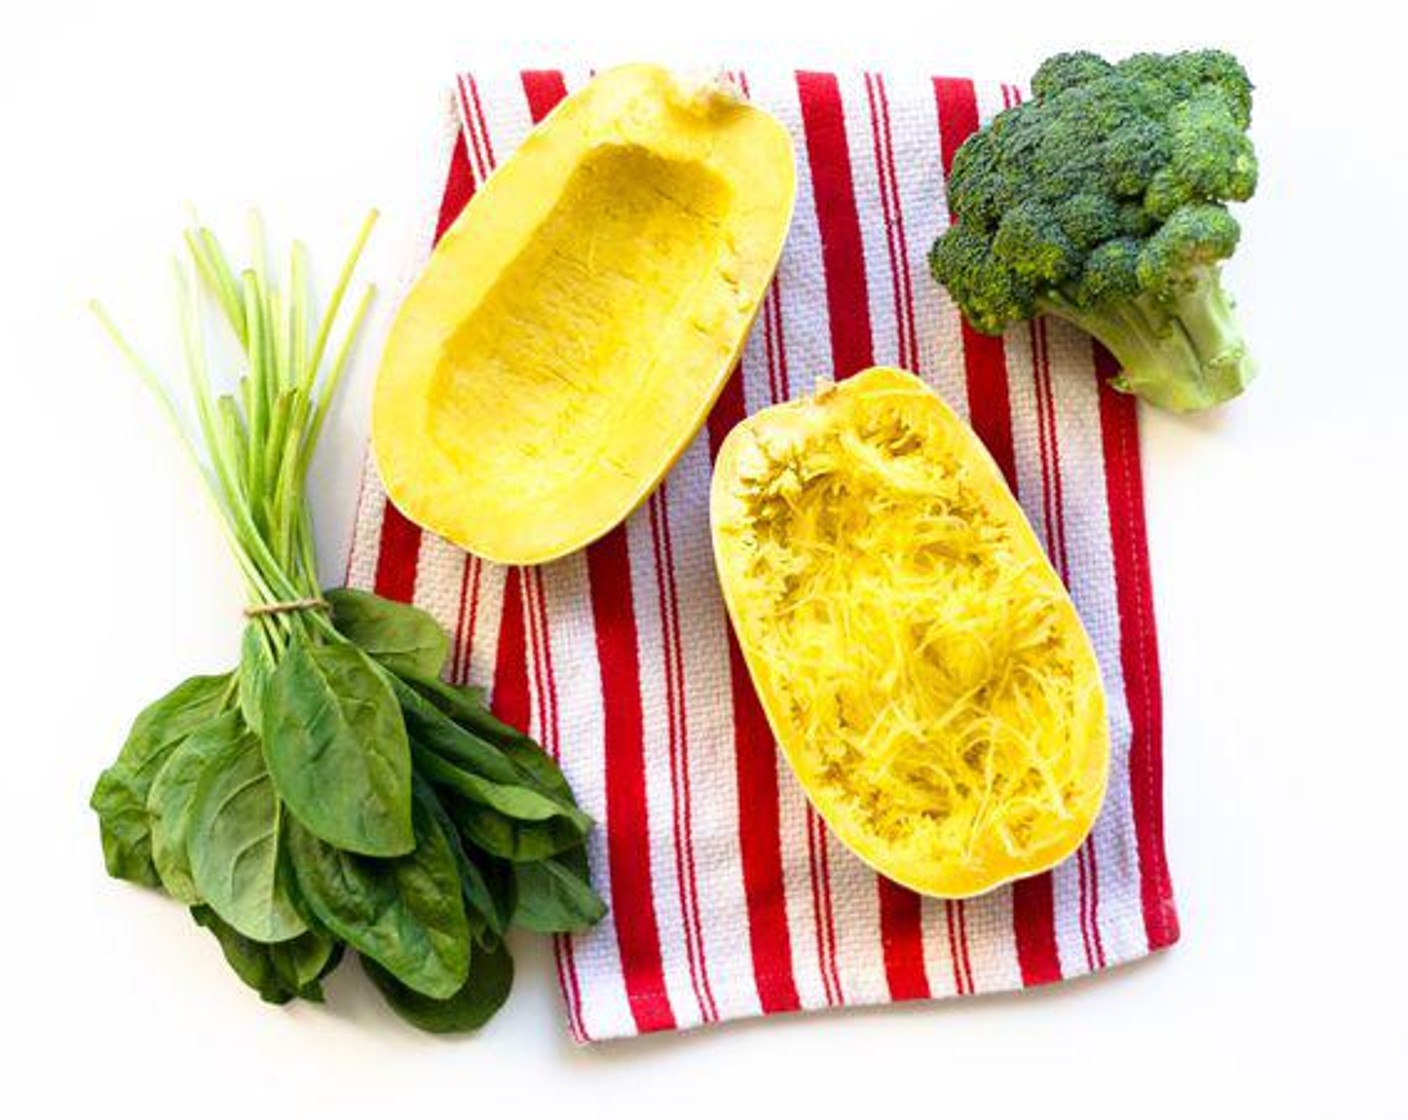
479, 161
549, 724
902, 941
465, 619
1033, 904
677, 735
544, 89
889, 209
511, 700
459, 188
985, 363
822, 913
843, 255
477, 121
1139, 653
627, 819
397, 556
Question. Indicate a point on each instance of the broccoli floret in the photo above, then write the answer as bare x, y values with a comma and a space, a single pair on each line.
1102, 200
991, 296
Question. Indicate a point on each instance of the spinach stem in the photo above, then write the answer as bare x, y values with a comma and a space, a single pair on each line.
251, 445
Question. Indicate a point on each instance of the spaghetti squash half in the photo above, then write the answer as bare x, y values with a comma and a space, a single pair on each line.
921, 665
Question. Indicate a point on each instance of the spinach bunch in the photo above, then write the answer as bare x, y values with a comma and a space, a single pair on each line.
332, 791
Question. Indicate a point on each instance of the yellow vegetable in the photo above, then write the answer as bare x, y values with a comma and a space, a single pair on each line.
574, 326
921, 664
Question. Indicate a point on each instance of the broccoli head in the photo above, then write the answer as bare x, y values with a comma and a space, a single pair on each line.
1103, 200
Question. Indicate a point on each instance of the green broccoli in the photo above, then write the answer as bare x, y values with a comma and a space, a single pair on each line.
1101, 200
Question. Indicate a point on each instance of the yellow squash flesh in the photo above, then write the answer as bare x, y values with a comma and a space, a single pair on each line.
574, 326
921, 664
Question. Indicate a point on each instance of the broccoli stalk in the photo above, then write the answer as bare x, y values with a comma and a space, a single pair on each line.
1184, 353
1102, 200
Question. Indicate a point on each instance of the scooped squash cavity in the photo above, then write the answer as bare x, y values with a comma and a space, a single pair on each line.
921, 665
575, 324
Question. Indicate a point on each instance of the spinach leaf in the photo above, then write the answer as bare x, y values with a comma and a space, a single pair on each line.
431, 728
337, 748
511, 839
171, 796
518, 802
402, 637
120, 796
408, 912
256, 667
483, 993
554, 898
465, 707
498, 875
280, 972
575, 860
538, 765
304, 961
479, 895
461, 702
234, 840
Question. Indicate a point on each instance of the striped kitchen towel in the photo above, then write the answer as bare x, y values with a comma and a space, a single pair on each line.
728, 897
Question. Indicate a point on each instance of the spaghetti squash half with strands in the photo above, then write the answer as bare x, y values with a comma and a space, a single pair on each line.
921, 664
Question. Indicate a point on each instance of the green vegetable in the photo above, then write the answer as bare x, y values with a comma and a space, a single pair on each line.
506, 836
1102, 201
279, 973
406, 640
256, 668
337, 747
120, 797
235, 844
171, 798
407, 912
553, 897
468, 1009
465, 708
317, 797
437, 734
488, 905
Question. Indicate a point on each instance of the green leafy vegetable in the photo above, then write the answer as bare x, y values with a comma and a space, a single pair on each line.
553, 897
465, 708
487, 908
279, 973
332, 791
403, 638
256, 667
120, 796
484, 991
234, 840
305, 960
171, 797
510, 838
407, 912
432, 730
1102, 201
510, 801
337, 747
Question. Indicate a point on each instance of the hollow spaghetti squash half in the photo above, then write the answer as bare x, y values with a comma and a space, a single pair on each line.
574, 325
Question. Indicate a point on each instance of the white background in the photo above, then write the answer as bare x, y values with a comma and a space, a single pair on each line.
1276, 529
